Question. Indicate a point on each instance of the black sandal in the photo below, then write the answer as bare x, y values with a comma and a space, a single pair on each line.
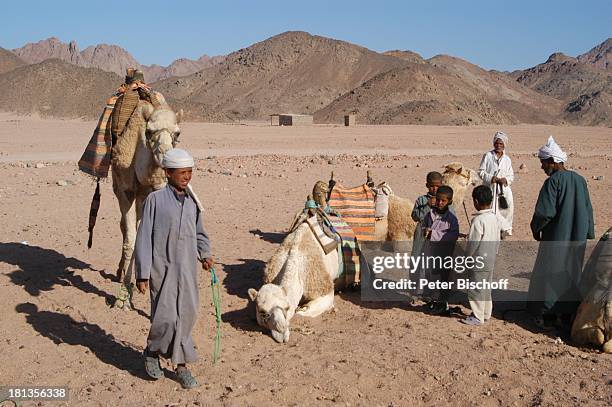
152, 365
186, 379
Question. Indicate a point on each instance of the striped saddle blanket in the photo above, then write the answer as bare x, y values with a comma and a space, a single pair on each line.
350, 254
357, 208
96, 159
356, 223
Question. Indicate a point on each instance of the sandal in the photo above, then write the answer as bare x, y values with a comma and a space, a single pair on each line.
472, 320
186, 379
152, 365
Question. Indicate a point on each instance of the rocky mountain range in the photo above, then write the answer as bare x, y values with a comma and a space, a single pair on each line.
9, 61
582, 84
599, 57
291, 72
110, 58
302, 73
443, 90
54, 88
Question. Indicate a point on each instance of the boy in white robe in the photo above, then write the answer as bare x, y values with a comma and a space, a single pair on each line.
482, 242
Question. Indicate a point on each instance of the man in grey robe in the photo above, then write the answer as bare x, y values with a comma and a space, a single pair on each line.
562, 222
169, 243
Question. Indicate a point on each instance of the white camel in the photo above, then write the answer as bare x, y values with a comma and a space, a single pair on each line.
298, 273
136, 167
301, 273
459, 178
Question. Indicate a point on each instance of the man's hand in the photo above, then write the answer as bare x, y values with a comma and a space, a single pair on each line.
208, 263
502, 181
494, 179
142, 286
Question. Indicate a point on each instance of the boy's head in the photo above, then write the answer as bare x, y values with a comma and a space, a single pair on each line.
178, 165
434, 181
483, 197
444, 197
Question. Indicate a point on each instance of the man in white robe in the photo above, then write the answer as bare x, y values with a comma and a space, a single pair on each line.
497, 173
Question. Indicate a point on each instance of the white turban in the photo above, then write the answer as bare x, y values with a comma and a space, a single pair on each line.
500, 135
177, 158
552, 150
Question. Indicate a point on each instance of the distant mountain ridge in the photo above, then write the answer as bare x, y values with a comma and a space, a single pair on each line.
296, 72
54, 88
583, 84
600, 56
110, 58
290, 72
9, 61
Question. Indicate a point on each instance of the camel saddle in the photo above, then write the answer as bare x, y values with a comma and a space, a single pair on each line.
320, 224
333, 233
124, 107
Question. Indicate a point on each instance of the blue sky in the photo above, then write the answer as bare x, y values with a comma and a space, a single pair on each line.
494, 34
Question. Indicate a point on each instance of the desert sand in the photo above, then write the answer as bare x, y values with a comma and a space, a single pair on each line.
57, 327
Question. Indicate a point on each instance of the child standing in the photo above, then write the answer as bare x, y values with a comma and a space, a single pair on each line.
483, 241
422, 206
169, 243
441, 230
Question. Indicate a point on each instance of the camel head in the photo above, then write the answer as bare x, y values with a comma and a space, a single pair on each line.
162, 131
459, 178
463, 176
272, 309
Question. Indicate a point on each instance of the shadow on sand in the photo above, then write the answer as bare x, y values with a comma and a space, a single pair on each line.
62, 328
270, 237
42, 269
512, 310
238, 279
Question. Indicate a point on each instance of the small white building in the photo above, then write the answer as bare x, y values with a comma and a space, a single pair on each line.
275, 120
350, 119
290, 119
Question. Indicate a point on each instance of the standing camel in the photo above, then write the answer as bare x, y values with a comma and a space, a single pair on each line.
136, 167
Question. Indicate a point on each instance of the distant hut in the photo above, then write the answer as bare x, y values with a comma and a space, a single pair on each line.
350, 119
295, 119
275, 119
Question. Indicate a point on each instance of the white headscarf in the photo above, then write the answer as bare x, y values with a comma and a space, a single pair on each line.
552, 150
500, 135
177, 158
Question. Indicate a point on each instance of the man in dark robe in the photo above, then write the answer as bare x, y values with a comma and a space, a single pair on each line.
562, 222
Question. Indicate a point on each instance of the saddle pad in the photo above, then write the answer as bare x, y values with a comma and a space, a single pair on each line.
96, 158
349, 247
356, 206
327, 243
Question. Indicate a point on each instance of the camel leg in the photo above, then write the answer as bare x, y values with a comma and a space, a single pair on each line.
139, 203
317, 306
128, 230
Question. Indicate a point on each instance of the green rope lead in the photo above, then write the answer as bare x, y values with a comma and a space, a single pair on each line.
216, 297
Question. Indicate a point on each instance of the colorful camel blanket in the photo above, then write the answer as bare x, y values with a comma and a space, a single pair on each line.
96, 159
350, 255
357, 208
